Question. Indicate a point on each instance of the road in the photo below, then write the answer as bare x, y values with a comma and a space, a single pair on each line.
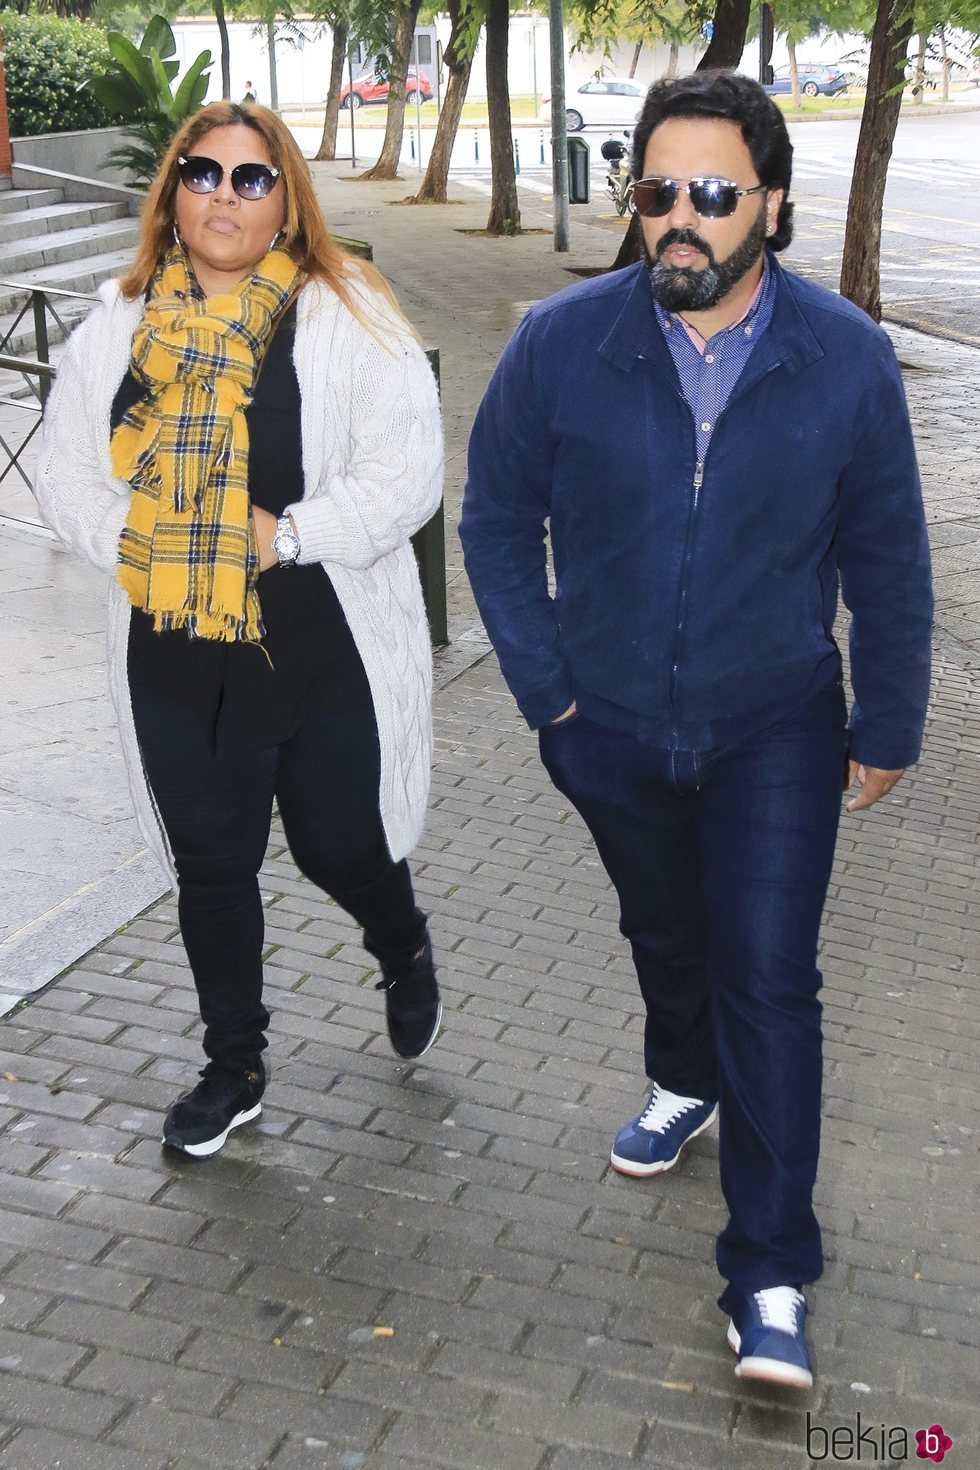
930, 255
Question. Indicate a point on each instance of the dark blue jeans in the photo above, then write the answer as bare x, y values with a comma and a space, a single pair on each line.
216, 807
721, 860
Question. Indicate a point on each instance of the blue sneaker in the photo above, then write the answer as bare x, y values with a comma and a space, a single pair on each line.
768, 1331
653, 1141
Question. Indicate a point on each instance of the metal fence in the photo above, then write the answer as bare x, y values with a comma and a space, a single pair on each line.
37, 371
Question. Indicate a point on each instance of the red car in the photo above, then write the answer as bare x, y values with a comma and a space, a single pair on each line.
374, 88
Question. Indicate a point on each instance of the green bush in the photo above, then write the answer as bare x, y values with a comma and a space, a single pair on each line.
46, 62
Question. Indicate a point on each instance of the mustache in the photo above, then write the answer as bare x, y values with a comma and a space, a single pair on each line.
685, 237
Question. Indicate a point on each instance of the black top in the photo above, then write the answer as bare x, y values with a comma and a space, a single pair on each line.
232, 687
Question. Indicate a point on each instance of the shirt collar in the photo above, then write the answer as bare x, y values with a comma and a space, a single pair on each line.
757, 313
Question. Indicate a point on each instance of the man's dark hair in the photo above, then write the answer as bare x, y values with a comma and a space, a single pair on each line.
737, 99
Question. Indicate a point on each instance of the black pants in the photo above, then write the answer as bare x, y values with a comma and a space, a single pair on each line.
216, 807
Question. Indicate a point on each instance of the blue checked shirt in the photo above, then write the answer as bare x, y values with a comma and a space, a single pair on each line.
708, 378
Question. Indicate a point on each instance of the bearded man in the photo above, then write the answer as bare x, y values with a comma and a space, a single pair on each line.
715, 447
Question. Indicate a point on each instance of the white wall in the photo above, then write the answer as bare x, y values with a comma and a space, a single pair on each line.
302, 65
304, 70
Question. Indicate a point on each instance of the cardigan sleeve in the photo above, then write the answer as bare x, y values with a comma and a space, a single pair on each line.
392, 482
77, 496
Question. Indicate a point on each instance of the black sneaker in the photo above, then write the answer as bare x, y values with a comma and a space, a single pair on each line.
199, 1123
412, 1004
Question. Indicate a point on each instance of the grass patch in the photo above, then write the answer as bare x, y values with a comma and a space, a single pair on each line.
814, 106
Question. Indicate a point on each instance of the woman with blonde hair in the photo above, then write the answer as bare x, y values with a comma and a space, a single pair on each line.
244, 434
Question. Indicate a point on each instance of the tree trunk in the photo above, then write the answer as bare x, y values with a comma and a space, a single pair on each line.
505, 214
391, 150
219, 15
331, 113
435, 186
794, 73
636, 57
675, 52
919, 76
728, 36
860, 279
631, 246
947, 63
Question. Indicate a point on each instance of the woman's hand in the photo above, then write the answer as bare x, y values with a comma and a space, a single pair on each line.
265, 528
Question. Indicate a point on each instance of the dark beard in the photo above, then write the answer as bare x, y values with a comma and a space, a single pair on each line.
683, 289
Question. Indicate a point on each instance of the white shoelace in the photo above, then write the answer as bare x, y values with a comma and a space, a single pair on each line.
665, 1108
778, 1308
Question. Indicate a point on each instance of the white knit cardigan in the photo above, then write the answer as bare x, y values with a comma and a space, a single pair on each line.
372, 466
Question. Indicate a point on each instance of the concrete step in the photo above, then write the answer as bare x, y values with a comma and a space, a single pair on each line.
85, 275
19, 258
51, 219
14, 200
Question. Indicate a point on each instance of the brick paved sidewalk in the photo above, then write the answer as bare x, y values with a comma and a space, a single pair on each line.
536, 1312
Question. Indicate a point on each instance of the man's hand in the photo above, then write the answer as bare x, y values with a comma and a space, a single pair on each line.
874, 784
566, 716
265, 528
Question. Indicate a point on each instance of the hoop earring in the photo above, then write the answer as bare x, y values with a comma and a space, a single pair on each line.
177, 240
276, 238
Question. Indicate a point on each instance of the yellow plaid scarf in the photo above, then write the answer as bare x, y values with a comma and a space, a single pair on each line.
188, 554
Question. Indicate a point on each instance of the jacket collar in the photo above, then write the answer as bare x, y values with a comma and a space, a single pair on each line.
788, 341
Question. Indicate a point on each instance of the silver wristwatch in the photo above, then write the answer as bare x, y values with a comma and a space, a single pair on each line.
285, 543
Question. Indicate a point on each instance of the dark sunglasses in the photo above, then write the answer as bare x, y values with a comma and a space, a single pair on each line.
710, 198
249, 180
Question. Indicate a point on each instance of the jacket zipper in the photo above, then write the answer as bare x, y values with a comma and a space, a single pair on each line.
696, 484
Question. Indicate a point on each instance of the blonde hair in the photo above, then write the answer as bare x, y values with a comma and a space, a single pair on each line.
305, 236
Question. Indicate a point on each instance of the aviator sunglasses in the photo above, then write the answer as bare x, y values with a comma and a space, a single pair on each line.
249, 180
710, 198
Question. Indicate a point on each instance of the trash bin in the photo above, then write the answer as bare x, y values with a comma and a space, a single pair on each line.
579, 181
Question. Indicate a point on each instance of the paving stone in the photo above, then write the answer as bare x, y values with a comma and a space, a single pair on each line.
259, 1362
461, 1448
322, 1414
123, 1332
158, 1382
53, 1406
38, 1357
103, 1284
41, 1449
207, 1441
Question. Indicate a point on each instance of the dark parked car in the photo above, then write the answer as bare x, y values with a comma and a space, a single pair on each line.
815, 81
374, 88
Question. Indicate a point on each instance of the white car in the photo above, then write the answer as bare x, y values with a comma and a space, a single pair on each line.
609, 103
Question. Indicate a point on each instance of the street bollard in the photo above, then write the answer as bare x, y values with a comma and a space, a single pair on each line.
429, 545
476, 146
541, 136
517, 155
411, 139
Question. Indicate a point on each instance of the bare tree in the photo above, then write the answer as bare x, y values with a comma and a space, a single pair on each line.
219, 15
860, 279
458, 57
729, 27
505, 213
391, 149
331, 111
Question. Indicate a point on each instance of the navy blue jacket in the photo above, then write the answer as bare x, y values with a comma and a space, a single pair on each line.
695, 605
